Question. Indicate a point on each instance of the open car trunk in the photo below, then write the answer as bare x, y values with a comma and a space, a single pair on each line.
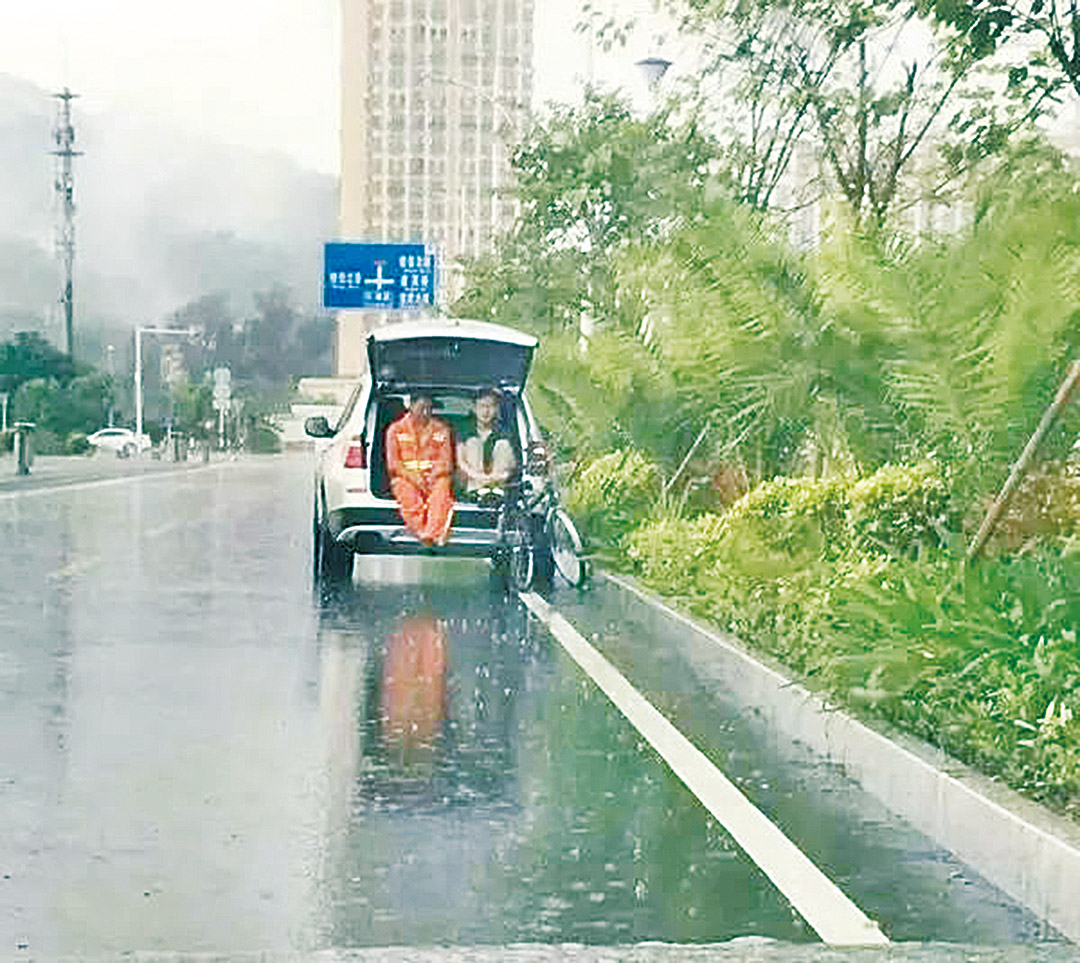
472, 355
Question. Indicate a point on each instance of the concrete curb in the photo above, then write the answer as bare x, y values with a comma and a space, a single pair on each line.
1028, 852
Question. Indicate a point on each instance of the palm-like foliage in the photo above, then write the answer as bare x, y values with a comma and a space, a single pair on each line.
867, 350
616, 394
992, 320
738, 323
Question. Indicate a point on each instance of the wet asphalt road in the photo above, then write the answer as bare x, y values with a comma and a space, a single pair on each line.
199, 754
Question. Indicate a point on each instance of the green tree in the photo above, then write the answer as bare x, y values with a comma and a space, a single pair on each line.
30, 356
1040, 37
193, 408
761, 372
280, 342
58, 408
218, 342
264, 352
869, 349
590, 180
992, 319
865, 87
615, 395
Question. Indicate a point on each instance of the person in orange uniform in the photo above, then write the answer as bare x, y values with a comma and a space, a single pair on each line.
420, 459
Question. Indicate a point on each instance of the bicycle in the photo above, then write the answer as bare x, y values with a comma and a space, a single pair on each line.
526, 533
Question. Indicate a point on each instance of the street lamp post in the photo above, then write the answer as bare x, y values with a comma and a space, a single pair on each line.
653, 69
139, 332
110, 368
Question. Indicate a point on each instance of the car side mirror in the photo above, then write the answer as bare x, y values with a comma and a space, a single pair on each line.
318, 427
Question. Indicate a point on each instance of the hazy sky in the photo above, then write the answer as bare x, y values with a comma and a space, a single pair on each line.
262, 73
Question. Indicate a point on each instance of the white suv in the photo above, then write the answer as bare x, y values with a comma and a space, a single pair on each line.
450, 360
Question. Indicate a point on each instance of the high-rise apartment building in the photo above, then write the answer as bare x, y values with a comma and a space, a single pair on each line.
434, 96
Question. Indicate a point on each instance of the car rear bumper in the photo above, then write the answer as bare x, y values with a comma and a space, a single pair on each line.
378, 529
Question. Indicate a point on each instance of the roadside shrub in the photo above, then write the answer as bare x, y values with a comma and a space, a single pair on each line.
773, 600
902, 509
855, 587
264, 440
45, 442
76, 444
670, 553
613, 493
797, 517
758, 569
984, 664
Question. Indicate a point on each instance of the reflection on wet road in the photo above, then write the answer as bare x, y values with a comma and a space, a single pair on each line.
197, 753
508, 801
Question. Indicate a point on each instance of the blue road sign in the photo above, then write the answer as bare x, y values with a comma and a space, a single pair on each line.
377, 276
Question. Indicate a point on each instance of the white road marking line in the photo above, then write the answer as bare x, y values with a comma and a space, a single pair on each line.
834, 917
104, 482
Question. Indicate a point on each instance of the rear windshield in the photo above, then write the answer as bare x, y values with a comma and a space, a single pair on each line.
452, 361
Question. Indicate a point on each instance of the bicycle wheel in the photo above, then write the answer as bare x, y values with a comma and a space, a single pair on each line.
522, 566
566, 548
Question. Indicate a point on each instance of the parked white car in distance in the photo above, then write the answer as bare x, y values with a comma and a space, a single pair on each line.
123, 441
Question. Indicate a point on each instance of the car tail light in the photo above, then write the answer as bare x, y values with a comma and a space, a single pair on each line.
356, 455
537, 462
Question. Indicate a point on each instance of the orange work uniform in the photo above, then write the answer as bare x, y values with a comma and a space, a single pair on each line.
420, 460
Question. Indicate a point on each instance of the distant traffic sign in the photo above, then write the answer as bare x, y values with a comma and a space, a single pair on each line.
222, 388
377, 276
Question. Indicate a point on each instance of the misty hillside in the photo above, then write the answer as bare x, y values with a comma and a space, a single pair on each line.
162, 219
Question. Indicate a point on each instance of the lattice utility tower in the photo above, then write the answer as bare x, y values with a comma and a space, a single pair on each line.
64, 136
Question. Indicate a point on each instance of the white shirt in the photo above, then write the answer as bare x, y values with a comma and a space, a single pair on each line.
471, 461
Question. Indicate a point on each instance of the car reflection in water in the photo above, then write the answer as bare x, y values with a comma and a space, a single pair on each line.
412, 697
440, 696
420, 691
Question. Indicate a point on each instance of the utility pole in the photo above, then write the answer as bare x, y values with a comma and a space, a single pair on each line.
64, 135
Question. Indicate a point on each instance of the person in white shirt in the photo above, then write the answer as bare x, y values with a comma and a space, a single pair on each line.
486, 459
